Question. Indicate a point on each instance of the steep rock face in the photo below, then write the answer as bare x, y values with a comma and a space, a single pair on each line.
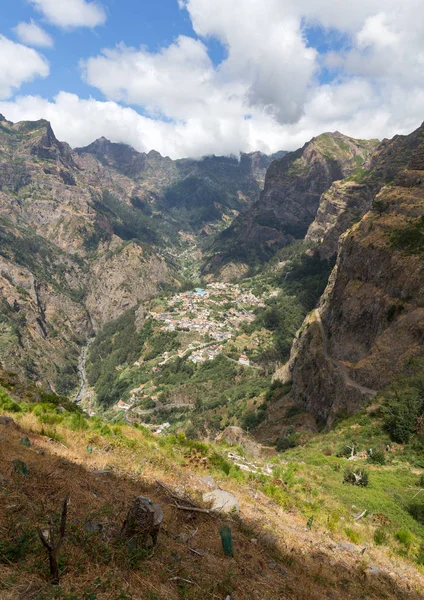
373, 308
194, 193
347, 201
290, 200
84, 236
74, 252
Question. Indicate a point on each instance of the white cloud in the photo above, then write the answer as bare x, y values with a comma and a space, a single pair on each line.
79, 122
177, 81
266, 93
33, 35
19, 64
71, 13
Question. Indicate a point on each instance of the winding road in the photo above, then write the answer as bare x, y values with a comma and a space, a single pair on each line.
339, 365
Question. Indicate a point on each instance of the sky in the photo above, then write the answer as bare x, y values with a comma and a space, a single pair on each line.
198, 77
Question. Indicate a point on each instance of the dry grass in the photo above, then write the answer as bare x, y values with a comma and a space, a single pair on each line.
284, 560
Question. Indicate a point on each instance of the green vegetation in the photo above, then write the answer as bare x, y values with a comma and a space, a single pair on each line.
117, 344
46, 261
302, 282
410, 239
127, 222
356, 477
403, 405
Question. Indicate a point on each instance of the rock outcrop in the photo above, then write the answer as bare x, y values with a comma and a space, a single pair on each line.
72, 256
346, 202
372, 310
294, 185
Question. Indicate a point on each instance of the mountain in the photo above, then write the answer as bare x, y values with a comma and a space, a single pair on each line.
369, 328
189, 194
348, 200
87, 234
290, 200
73, 253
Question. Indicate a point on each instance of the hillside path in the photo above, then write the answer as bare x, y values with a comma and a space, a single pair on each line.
340, 366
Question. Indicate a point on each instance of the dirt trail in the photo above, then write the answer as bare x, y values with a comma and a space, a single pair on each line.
340, 366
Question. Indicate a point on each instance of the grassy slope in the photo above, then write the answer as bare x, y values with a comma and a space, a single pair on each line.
286, 560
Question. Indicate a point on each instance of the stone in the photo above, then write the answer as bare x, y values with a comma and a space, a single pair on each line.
348, 547
374, 570
209, 481
222, 501
7, 421
92, 527
143, 522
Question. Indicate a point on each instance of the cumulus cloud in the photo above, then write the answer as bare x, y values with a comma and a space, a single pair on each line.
33, 35
79, 122
269, 92
19, 64
71, 13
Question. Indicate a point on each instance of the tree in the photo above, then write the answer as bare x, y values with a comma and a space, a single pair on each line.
379, 206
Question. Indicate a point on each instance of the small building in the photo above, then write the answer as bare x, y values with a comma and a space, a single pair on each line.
200, 292
244, 360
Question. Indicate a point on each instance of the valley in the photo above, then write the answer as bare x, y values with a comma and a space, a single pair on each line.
258, 320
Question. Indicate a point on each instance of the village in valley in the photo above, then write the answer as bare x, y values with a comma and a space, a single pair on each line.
208, 323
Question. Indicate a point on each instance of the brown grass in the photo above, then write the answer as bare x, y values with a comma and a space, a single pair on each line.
284, 560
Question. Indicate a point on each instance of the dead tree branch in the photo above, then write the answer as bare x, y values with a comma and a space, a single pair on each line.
54, 545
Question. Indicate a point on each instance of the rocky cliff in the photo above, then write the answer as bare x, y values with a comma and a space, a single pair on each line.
188, 195
84, 235
348, 200
290, 199
73, 253
370, 322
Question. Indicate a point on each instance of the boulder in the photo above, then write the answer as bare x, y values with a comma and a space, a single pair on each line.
7, 421
236, 436
209, 482
222, 501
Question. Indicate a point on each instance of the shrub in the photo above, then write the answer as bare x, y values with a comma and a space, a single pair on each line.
357, 477
220, 463
401, 410
416, 510
405, 537
353, 535
377, 458
421, 480
285, 443
380, 536
6, 402
77, 422
346, 451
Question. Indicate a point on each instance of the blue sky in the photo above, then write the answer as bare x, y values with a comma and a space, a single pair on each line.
134, 22
190, 77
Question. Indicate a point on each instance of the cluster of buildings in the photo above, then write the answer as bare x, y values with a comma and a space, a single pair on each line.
204, 354
207, 312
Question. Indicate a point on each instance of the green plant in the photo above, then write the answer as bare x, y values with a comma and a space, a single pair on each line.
17, 544
377, 457
416, 510
358, 477
6, 402
401, 409
381, 537
405, 537
353, 535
